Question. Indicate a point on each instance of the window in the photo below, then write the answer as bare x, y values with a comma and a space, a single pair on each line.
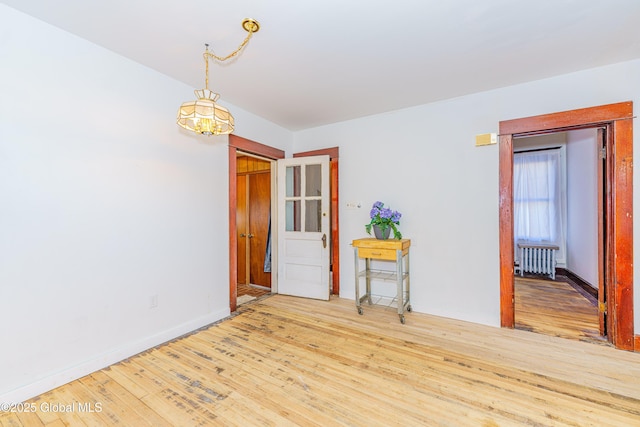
538, 196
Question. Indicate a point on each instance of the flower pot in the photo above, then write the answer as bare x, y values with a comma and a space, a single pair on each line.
381, 235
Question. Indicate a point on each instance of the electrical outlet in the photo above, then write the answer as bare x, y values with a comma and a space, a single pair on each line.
153, 301
354, 205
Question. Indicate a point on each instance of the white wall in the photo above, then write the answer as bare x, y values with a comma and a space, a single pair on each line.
423, 162
582, 205
105, 203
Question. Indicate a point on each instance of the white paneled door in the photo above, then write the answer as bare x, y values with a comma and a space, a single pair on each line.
303, 227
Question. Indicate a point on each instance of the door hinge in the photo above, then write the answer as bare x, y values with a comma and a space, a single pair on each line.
603, 153
602, 307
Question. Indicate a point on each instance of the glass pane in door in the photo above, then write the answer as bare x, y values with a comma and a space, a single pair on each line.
292, 215
293, 181
313, 186
313, 216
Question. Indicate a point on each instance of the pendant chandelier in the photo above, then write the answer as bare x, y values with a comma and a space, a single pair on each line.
203, 115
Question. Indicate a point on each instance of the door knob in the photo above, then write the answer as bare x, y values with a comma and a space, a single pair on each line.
324, 240
250, 236
242, 235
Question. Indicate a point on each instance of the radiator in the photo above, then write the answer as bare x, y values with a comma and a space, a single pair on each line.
537, 258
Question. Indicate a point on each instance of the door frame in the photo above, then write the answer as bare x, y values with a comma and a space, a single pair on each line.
618, 262
237, 143
333, 154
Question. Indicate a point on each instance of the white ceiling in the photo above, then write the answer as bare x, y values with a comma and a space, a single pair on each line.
315, 62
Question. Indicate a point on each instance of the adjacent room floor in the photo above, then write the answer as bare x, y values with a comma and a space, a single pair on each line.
248, 293
556, 308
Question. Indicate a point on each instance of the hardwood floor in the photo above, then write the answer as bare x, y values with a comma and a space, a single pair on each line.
290, 361
254, 291
556, 308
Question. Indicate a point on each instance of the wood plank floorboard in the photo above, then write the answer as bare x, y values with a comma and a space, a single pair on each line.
254, 291
556, 308
286, 361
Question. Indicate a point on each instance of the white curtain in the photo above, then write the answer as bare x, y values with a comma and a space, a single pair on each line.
538, 197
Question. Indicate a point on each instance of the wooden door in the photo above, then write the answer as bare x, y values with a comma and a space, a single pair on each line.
603, 190
303, 227
253, 207
242, 228
333, 154
258, 231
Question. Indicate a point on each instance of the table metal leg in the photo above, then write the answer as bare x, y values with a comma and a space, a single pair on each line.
357, 273
367, 261
408, 284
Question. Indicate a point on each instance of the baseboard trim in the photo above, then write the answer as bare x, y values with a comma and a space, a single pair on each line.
102, 361
262, 288
578, 281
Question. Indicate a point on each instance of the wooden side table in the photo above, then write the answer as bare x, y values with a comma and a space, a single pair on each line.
384, 250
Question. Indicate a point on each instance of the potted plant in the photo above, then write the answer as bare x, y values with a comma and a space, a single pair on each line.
383, 220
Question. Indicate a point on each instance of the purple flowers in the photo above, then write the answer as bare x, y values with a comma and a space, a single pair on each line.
384, 218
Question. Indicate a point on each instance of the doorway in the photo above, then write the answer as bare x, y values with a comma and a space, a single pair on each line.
253, 219
616, 269
557, 200
238, 144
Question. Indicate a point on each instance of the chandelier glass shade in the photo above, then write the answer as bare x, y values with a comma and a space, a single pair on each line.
204, 115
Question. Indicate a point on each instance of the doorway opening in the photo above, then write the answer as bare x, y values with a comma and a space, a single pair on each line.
615, 269
238, 145
558, 191
253, 221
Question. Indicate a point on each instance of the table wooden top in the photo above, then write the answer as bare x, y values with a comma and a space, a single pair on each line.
373, 243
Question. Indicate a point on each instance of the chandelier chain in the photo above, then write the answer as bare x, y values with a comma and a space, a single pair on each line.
206, 67
212, 55
203, 115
